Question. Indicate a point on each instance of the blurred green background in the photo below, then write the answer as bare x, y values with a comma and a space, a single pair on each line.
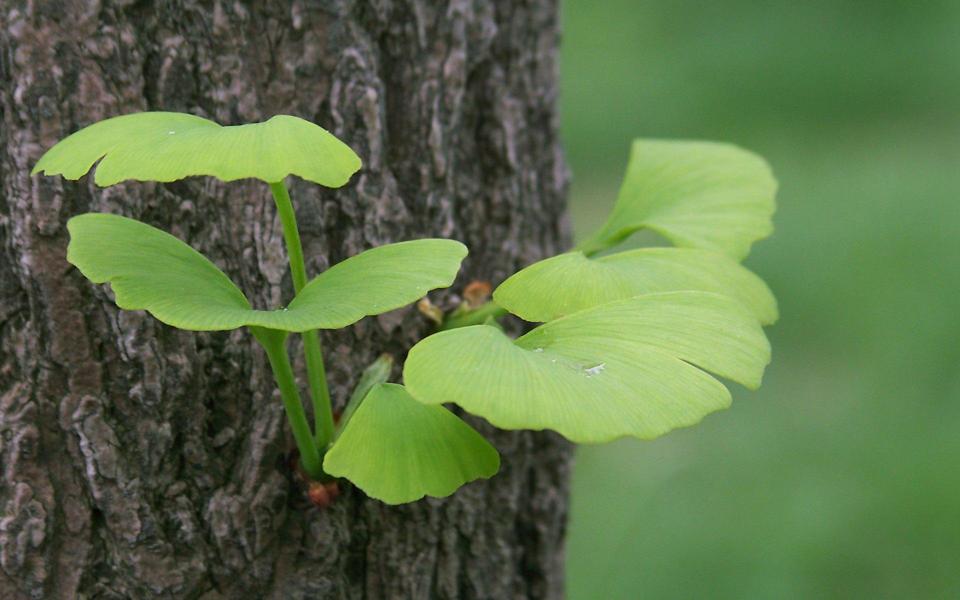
840, 478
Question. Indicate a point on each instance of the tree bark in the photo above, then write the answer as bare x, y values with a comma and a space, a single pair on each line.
139, 461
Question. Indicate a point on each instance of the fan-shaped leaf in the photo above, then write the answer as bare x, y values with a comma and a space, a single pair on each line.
166, 146
376, 281
624, 368
571, 282
152, 270
696, 194
398, 450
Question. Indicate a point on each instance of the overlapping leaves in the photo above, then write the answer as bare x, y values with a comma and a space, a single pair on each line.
631, 345
152, 270
630, 340
713, 199
570, 282
166, 146
636, 367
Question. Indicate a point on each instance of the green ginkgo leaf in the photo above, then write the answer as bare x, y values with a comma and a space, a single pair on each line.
166, 146
564, 284
636, 367
398, 450
152, 270
695, 194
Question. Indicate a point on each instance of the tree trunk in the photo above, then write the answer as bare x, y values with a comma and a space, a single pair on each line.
139, 461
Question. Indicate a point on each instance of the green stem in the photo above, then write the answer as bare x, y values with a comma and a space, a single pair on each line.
477, 316
316, 373
274, 342
291, 235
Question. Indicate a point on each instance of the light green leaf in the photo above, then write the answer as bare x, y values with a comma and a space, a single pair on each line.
154, 271
627, 368
398, 450
571, 282
166, 146
695, 194
376, 281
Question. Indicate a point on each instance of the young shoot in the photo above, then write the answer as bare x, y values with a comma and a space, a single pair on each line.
623, 344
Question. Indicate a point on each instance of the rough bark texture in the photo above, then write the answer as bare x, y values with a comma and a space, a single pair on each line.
139, 461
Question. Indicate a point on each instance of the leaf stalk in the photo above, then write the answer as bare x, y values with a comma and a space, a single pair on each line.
274, 342
313, 352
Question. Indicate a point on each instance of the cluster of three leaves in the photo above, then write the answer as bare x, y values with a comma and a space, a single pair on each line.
396, 447
628, 339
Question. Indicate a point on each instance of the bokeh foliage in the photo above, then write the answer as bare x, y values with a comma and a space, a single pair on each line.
840, 477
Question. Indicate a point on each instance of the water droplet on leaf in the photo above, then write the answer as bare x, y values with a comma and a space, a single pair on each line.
595, 370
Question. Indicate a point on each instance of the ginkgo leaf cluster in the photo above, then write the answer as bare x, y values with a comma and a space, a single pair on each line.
631, 343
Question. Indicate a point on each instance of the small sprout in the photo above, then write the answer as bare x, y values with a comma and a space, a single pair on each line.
430, 311
323, 494
476, 293
464, 316
320, 492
